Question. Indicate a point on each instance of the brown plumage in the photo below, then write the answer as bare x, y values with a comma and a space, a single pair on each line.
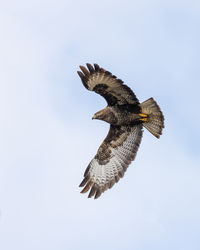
126, 117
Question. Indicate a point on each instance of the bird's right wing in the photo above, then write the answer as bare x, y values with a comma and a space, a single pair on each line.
114, 155
107, 85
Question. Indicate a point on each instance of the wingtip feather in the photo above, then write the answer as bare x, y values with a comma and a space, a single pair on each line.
90, 67
84, 181
98, 194
83, 78
92, 191
96, 67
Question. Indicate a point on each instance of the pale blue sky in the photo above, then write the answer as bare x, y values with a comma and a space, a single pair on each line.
47, 137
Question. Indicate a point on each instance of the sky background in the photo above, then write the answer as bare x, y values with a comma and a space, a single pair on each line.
47, 136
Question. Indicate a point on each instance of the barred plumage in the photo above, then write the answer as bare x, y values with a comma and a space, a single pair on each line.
126, 117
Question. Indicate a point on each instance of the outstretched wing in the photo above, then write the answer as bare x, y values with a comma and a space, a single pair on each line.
107, 85
112, 159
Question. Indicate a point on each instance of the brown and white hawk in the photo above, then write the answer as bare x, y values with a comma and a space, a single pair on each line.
126, 116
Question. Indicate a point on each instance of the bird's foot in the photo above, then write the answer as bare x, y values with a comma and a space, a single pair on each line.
144, 117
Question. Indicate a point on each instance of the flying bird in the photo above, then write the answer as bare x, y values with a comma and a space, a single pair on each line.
127, 117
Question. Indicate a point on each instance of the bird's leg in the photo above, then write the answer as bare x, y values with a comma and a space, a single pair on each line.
144, 117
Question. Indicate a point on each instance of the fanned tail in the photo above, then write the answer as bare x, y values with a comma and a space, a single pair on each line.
155, 121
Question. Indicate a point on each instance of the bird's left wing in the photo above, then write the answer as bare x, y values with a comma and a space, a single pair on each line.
107, 85
114, 155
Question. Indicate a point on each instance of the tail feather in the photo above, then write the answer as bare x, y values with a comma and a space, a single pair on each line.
155, 123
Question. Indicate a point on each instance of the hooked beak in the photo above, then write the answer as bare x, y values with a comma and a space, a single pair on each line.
94, 117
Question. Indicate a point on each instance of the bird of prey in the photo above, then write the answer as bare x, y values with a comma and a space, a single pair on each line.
127, 117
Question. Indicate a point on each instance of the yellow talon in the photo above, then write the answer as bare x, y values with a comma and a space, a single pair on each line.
144, 119
143, 115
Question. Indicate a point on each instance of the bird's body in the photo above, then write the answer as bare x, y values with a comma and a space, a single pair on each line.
126, 116
120, 115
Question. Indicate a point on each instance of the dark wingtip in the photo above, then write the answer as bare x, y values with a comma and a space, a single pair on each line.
87, 170
98, 194
84, 181
83, 79
92, 191
84, 70
90, 67
86, 188
81, 75
96, 67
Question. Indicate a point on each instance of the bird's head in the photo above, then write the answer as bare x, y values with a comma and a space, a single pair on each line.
106, 115
100, 115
